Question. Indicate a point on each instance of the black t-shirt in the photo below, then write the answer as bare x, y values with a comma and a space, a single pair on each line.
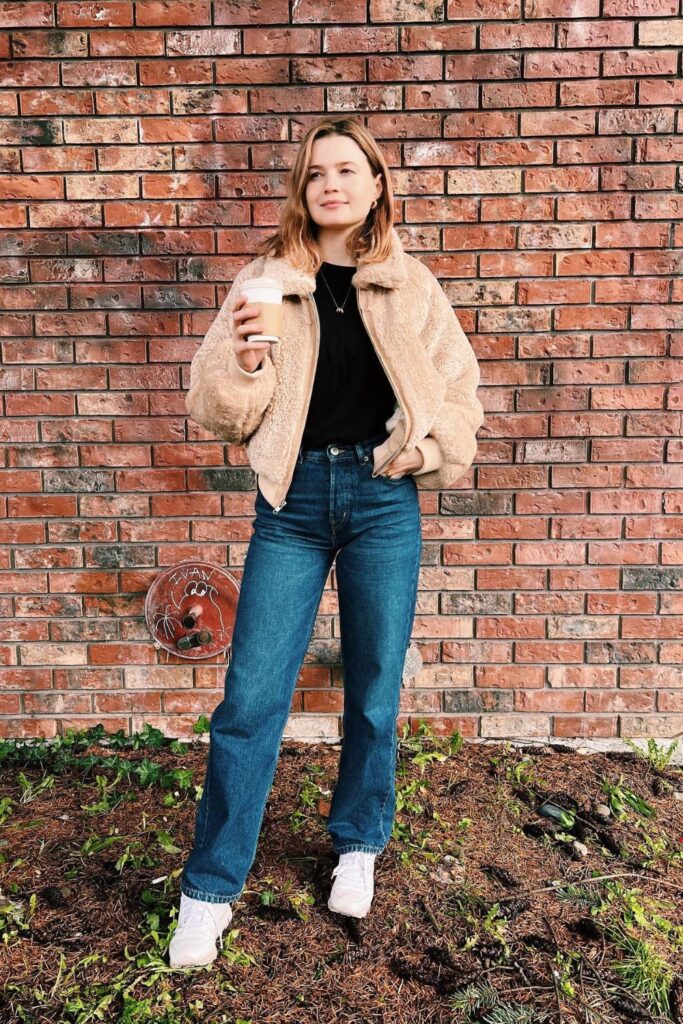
352, 397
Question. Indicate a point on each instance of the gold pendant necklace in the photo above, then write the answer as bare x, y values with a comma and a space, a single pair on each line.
338, 308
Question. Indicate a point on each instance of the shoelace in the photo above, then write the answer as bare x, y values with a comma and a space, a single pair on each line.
352, 864
197, 916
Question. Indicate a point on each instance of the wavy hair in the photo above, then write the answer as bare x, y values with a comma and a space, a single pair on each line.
295, 238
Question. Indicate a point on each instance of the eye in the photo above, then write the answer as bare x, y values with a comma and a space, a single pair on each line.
313, 173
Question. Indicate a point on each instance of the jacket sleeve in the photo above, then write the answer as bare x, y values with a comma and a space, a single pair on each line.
223, 398
451, 445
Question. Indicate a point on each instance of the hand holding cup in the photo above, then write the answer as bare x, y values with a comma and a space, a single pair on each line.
246, 321
258, 319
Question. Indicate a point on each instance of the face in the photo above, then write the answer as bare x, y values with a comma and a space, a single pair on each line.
339, 172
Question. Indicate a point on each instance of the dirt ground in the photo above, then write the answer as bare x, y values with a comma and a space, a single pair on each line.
520, 885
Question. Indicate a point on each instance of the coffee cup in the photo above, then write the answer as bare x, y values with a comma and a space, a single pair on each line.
265, 293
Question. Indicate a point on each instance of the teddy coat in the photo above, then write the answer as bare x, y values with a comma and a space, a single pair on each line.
418, 339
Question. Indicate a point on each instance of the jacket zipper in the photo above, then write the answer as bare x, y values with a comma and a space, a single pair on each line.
311, 376
402, 406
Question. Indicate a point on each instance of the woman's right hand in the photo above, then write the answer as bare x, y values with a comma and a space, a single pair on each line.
245, 322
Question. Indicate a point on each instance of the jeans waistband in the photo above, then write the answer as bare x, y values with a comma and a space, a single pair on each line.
356, 450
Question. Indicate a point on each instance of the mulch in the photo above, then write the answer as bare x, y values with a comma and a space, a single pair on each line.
470, 846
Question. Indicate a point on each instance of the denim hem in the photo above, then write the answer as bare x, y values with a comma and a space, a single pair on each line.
352, 847
207, 897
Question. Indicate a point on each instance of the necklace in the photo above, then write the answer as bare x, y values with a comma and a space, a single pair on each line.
338, 308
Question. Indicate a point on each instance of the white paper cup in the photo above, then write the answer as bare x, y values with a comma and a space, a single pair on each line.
266, 294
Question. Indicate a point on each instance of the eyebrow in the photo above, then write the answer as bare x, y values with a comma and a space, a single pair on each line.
341, 162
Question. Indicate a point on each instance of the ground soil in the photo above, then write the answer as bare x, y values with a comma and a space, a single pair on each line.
494, 911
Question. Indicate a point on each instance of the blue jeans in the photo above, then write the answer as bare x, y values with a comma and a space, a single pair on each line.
372, 525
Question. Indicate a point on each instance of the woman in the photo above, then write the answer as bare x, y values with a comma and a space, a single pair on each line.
369, 394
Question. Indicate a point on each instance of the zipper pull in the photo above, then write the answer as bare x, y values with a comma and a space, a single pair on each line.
280, 506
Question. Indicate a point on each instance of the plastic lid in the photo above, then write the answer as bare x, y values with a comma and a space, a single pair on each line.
262, 282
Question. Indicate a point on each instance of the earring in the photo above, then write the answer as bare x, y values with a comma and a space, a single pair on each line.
373, 204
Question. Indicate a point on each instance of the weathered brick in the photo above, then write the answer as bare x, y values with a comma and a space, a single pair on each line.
145, 153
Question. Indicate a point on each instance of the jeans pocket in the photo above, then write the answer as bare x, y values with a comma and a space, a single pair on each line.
381, 476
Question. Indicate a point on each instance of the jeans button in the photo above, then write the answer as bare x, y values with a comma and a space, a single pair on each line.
334, 450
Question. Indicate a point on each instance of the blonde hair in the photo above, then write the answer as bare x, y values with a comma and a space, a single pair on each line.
295, 238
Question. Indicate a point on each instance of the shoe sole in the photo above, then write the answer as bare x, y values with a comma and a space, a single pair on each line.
346, 913
176, 965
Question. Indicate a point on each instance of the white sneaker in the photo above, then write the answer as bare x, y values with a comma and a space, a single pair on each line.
354, 884
199, 925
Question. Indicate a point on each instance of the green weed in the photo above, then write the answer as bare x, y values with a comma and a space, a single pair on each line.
643, 971
620, 798
657, 757
15, 918
30, 791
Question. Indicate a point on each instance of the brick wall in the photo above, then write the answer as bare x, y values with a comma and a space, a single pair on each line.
535, 157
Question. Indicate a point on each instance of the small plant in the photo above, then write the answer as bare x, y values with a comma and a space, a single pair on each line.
405, 797
495, 925
620, 797
656, 847
149, 737
298, 899
624, 913
232, 952
657, 757
482, 1003
523, 773
485, 919
565, 962
632, 910
15, 918
585, 896
31, 790
643, 970
6, 808
309, 794
442, 747
160, 912
108, 797
135, 855
473, 998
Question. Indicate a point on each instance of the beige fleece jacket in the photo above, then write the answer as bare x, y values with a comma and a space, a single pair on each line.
418, 339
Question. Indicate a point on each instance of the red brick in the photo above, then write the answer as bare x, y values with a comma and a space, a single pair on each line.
103, 14
616, 700
161, 12
509, 677
549, 700
589, 726
552, 567
34, 15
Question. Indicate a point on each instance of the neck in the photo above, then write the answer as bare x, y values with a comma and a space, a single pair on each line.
332, 245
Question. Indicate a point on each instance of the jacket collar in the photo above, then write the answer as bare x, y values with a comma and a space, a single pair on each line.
389, 273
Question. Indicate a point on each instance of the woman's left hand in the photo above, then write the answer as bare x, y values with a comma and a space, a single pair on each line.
405, 462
